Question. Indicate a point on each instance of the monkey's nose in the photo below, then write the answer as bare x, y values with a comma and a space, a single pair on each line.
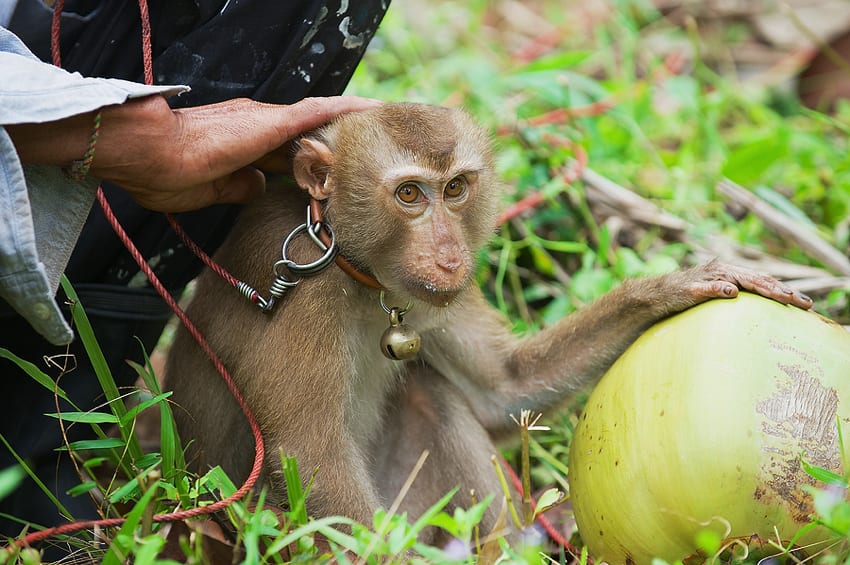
449, 264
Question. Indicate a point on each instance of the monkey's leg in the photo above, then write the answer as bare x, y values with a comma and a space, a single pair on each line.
429, 413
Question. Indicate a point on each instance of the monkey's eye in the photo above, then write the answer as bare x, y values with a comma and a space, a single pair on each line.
408, 192
455, 187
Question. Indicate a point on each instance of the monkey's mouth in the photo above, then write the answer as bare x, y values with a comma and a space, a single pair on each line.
433, 294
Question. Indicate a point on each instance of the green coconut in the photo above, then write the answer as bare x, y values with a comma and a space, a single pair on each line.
703, 424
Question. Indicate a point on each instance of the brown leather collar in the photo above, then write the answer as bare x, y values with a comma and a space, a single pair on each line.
342, 262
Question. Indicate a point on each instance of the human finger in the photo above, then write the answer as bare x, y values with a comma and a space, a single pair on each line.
220, 138
310, 113
241, 186
237, 187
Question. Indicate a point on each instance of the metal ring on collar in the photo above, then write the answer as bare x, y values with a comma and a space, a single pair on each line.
315, 267
401, 312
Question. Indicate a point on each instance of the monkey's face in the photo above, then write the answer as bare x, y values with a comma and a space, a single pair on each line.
429, 215
420, 234
411, 195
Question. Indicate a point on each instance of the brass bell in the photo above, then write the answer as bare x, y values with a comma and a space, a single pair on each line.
400, 342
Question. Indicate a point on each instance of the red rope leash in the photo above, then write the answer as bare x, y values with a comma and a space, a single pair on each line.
172, 303
55, 24
200, 253
147, 52
217, 362
545, 523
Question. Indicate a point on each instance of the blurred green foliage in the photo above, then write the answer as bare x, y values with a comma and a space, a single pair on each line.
667, 125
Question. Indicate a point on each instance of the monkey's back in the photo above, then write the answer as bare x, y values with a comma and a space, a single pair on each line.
206, 412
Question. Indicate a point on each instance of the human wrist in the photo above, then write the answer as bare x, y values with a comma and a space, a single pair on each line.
79, 168
133, 140
52, 143
128, 134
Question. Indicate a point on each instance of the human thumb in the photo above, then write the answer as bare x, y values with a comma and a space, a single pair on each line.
238, 187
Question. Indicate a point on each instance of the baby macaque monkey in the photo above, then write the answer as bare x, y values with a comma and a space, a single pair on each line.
410, 194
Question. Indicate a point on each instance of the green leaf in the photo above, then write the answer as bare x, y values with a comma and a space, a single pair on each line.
10, 479
145, 372
218, 479
325, 526
833, 510
563, 246
102, 371
543, 262
83, 488
550, 498
445, 522
147, 549
432, 515
94, 462
747, 164
98, 361
171, 448
823, 475
142, 406
708, 541
34, 372
558, 61
152, 459
86, 417
399, 539
588, 285
557, 308
123, 542
104, 443
294, 490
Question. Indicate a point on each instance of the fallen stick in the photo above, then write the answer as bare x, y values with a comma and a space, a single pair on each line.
809, 241
603, 190
822, 285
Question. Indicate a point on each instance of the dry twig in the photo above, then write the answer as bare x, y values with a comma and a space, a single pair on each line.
601, 190
809, 241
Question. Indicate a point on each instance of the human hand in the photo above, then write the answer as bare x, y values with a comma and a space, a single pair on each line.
178, 160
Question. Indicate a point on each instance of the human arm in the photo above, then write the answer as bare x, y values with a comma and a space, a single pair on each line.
177, 160
50, 113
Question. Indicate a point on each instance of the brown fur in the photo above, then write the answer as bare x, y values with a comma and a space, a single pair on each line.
312, 371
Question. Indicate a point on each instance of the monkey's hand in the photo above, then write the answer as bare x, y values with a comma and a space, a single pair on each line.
719, 280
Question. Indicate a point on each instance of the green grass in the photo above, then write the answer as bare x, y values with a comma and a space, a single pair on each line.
669, 136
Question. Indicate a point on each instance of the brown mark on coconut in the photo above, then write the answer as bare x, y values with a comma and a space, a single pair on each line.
799, 418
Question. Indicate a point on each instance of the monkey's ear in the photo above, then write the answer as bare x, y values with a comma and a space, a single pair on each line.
311, 166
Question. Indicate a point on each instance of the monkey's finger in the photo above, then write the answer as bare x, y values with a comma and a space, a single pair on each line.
775, 290
728, 287
745, 279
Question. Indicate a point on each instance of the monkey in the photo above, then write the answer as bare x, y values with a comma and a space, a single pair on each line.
411, 195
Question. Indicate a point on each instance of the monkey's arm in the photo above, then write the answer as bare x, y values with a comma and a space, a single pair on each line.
501, 374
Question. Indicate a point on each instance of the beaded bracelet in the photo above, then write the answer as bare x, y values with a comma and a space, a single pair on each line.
80, 168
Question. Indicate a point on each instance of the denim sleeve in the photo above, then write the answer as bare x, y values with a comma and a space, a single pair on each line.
41, 209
